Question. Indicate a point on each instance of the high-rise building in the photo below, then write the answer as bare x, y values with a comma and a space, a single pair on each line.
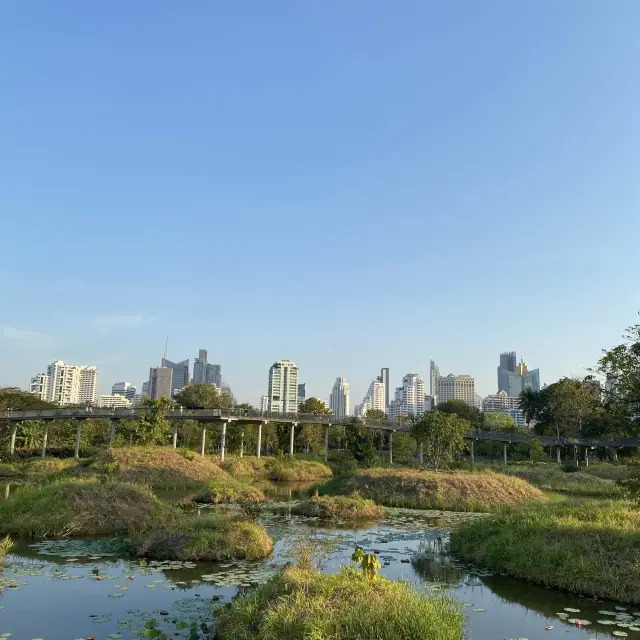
515, 378
115, 401
456, 388
283, 387
374, 399
40, 386
384, 378
160, 382
502, 402
339, 399
434, 374
88, 385
205, 372
179, 376
302, 392
264, 404
145, 388
410, 398
66, 384
125, 389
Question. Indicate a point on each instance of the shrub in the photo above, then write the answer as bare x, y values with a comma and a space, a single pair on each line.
210, 538
584, 547
307, 604
226, 490
81, 508
352, 507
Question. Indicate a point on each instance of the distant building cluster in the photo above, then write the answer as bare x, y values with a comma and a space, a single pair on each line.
65, 384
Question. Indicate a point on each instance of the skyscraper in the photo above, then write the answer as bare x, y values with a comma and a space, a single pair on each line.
515, 378
214, 375
434, 374
179, 376
65, 384
264, 404
302, 392
125, 389
456, 388
374, 399
339, 399
384, 378
160, 382
88, 385
200, 367
283, 387
410, 398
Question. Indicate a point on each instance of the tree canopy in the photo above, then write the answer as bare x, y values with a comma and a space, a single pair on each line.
463, 410
202, 396
18, 400
314, 405
377, 415
441, 435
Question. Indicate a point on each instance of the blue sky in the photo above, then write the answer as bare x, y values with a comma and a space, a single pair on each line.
347, 184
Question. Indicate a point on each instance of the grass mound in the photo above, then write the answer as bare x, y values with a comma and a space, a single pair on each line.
449, 491
281, 468
590, 548
210, 538
226, 490
552, 478
80, 508
158, 467
307, 604
352, 507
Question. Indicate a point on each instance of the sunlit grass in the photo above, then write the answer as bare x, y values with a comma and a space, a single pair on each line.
351, 507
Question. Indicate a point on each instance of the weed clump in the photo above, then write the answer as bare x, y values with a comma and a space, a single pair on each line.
226, 490
344, 508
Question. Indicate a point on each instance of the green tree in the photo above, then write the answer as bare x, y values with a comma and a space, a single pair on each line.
203, 396
472, 415
529, 403
15, 399
376, 415
498, 421
152, 427
309, 436
441, 435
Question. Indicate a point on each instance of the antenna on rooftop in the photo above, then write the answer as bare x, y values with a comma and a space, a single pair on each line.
164, 355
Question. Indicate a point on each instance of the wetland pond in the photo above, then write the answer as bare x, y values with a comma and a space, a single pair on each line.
73, 589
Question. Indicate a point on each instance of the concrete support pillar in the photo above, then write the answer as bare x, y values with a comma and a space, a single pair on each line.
223, 441
242, 442
558, 458
7, 490
504, 454
615, 455
586, 457
174, 435
45, 437
12, 442
576, 456
473, 453
203, 441
390, 447
326, 442
259, 439
292, 434
421, 453
112, 436
76, 452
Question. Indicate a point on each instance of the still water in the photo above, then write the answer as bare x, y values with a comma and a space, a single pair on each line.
66, 590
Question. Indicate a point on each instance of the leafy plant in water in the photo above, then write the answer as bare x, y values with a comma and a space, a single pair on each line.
251, 507
5, 546
369, 562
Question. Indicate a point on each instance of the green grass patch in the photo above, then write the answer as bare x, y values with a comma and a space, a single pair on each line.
157, 467
553, 478
352, 507
444, 490
5, 546
80, 508
217, 537
228, 489
586, 547
279, 469
307, 604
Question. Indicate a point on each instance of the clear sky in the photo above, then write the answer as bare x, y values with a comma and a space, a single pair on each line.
347, 184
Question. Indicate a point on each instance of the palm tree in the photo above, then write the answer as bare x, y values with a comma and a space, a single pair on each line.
529, 404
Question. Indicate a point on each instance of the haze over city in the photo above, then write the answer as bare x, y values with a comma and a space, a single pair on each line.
351, 186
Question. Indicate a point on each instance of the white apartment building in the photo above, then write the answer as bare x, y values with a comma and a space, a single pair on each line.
339, 399
39, 386
375, 399
264, 404
125, 389
410, 398
65, 384
283, 387
88, 385
456, 388
502, 402
114, 402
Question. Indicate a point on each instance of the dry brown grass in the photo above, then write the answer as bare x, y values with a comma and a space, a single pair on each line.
446, 490
158, 467
343, 508
278, 469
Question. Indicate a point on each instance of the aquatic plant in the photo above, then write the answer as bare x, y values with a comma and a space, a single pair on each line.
5, 546
586, 547
368, 562
298, 603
